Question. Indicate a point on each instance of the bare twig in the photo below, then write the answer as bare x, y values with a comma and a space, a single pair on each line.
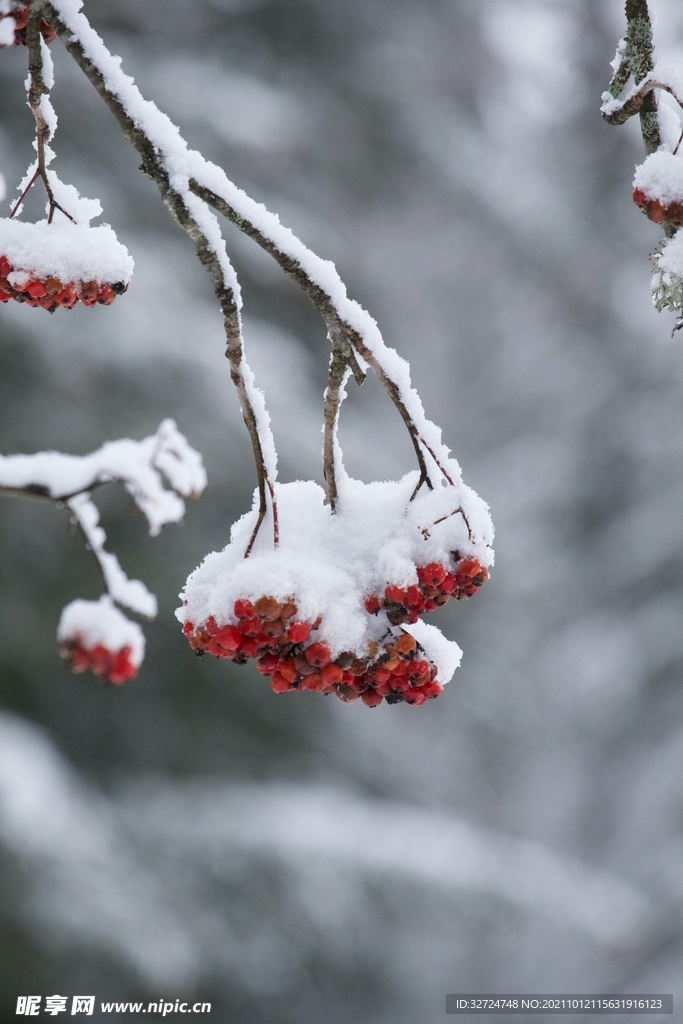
426, 532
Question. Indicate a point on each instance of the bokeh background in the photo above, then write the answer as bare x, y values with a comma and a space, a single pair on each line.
290, 858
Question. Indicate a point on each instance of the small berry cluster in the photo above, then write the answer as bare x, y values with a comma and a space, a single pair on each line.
114, 666
268, 632
656, 211
20, 15
436, 585
51, 293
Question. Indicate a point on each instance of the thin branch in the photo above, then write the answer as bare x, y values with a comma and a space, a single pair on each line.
37, 89
334, 395
37, 492
633, 104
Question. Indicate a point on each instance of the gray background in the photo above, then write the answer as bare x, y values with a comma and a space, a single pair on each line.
289, 858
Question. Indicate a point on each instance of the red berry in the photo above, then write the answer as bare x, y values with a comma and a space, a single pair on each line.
288, 670
317, 654
639, 197
279, 683
229, 638
332, 674
469, 567
5, 266
267, 663
371, 698
67, 297
298, 632
36, 289
395, 594
244, 609
372, 604
431, 574
313, 682
249, 647
250, 627
106, 295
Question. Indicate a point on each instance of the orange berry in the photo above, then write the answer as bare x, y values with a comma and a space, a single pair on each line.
268, 608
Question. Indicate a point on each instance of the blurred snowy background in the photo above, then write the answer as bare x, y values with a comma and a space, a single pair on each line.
287, 857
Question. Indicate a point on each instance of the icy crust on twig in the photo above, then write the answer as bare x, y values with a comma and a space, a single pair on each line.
329, 563
69, 252
184, 165
137, 464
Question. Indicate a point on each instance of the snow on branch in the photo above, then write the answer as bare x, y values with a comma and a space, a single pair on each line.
164, 159
131, 593
138, 465
183, 175
635, 58
617, 111
95, 634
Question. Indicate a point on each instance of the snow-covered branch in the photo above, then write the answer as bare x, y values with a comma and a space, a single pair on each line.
95, 634
138, 465
635, 58
618, 111
162, 150
131, 593
184, 177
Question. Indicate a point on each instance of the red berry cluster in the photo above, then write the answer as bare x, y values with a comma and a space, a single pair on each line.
51, 293
656, 211
20, 15
436, 584
268, 631
114, 666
